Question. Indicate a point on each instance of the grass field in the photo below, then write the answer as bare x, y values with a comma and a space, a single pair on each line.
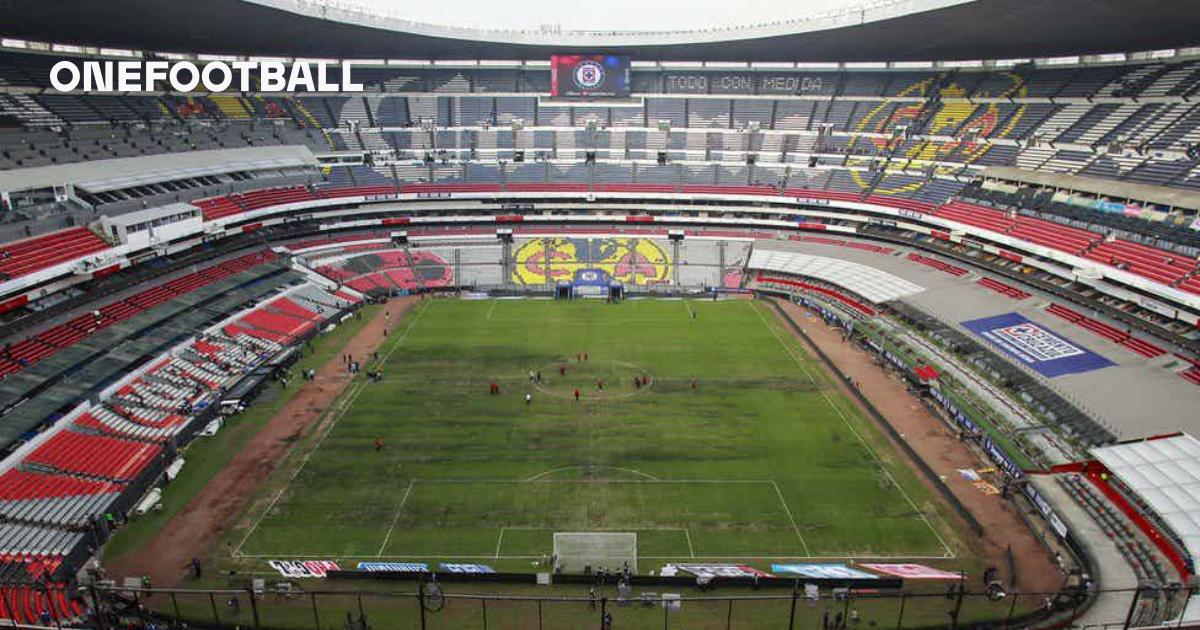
762, 459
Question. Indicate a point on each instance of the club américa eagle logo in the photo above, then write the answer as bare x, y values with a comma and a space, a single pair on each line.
589, 75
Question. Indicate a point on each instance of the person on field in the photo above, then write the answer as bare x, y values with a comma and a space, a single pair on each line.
378, 444
562, 370
528, 398
576, 394
600, 384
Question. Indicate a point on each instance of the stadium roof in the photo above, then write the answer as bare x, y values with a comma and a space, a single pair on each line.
1165, 474
913, 30
112, 174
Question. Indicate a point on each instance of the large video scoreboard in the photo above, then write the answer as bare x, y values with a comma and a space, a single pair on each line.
583, 76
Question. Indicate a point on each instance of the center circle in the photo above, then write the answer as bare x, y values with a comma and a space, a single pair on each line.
594, 378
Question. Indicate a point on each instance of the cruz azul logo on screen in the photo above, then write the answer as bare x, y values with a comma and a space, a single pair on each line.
1039, 344
589, 75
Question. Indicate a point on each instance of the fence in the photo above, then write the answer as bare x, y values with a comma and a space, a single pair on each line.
429, 608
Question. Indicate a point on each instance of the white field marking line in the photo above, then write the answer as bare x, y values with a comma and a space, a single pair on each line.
829, 400
344, 405
591, 322
396, 517
691, 550
564, 481
490, 310
631, 471
499, 541
754, 555
598, 530
787, 510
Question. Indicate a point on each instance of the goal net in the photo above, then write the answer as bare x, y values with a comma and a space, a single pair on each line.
576, 552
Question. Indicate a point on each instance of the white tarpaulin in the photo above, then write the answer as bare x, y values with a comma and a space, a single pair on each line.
1165, 474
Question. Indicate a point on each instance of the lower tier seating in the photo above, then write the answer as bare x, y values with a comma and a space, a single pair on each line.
1113, 334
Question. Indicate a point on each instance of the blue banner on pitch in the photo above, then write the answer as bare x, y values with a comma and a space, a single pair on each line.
823, 571
1035, 346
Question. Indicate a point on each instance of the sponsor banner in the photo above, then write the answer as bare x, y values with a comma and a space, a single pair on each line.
824, 571
736, 83
398, 567
722, 570
300, 569
1056, 523
1035, 346
913, 571
452, 567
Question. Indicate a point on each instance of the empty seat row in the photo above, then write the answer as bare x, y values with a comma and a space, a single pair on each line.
16, 356
95, 456
1134, 344
23, 257
1003, 289
937, 264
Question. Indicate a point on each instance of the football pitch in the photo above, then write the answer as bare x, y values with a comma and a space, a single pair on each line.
732, 444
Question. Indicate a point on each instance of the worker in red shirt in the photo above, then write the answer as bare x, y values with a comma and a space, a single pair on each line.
576, 394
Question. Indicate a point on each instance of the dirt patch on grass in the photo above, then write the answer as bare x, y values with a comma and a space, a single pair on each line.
198, 526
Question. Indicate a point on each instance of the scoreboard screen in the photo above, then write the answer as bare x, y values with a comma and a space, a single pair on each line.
589, 76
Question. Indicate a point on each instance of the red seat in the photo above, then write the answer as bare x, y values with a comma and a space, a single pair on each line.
23, 257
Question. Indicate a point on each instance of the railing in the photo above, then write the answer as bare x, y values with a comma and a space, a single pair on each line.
429, 605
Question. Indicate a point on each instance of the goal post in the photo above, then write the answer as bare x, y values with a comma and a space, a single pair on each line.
577, 552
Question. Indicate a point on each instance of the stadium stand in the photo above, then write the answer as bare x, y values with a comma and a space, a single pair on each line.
908, 144
1140, 346
20, 258
22, 354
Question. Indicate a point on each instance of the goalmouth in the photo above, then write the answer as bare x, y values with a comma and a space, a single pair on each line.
582, 552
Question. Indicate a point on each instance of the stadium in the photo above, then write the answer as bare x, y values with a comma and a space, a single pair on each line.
881, 316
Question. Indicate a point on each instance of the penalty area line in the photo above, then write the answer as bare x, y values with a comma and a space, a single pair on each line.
395, 517
791, 352
342, 405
